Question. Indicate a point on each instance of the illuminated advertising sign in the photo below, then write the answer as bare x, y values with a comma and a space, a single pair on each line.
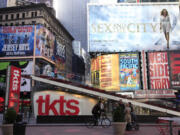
62, 103
95, 71
14, 88
109, 77
129, 71
60, 51
175, 69
60, 56
26, 69
158, 70
132, 27
45, 41
154, 94
16, 41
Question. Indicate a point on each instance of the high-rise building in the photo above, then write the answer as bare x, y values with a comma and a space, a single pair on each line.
40, 16
76, 47
3, 3
73, 15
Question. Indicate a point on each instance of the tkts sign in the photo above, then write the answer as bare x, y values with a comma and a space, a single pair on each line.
57, 106
61, 103
13, 88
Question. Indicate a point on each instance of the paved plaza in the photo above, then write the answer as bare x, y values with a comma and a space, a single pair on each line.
82, 130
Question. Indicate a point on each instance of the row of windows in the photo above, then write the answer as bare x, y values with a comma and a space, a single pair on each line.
17, 24
17, 16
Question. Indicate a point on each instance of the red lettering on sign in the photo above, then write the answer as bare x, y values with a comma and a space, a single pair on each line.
57, 107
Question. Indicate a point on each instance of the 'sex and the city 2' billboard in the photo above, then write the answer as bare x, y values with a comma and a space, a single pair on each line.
131, 27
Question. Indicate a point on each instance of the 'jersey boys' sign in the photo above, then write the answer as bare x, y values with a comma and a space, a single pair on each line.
61, 103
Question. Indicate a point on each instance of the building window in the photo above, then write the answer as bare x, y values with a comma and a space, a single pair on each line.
6, 24
35, 13
17, 16
32, 14
23, 15
23, 23
1, 17
11, 24
12, 16
17, 24
6, 17
33, 22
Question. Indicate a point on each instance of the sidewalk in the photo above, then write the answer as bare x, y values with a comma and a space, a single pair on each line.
79, 129
83, 130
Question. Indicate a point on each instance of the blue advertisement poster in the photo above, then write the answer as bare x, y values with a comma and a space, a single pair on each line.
132, 27
129, 71
16, 41
45, 42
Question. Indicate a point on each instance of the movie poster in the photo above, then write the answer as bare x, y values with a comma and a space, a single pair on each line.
132, 27
45, 42
109, 77
158, 70
175, 69
16, 41
129, 71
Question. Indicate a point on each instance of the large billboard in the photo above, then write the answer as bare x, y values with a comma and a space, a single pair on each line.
16, 41
132, 27
175, 69
129, 71
158, 70
45, 42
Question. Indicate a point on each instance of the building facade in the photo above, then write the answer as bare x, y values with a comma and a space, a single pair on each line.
39, 14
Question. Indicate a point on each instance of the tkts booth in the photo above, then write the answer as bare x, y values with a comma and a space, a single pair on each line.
66, 106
